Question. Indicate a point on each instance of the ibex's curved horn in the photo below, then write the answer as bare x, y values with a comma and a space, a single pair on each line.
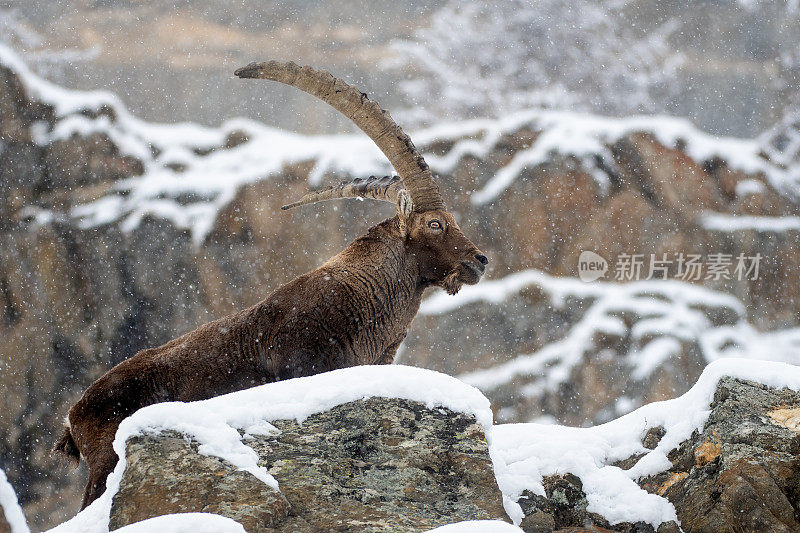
385, 188
368, 116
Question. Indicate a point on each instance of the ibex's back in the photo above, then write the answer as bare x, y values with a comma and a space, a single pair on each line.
353, 310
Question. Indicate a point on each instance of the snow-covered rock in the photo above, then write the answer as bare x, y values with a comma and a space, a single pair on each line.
406, 449
669, 459
188, 160
740, 471
380, 448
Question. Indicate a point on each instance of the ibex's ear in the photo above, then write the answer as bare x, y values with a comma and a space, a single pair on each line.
404, 203
404, 208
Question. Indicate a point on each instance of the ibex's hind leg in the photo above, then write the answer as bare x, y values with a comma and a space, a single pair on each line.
98, 473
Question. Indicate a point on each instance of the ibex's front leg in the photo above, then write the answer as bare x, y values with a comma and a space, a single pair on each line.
96, 484
101, 460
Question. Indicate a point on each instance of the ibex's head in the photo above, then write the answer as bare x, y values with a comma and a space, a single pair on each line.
444, 254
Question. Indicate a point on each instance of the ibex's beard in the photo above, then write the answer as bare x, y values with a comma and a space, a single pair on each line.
452, 284
465, 273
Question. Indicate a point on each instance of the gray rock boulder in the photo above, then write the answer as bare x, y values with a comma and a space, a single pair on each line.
370, 465
742, 473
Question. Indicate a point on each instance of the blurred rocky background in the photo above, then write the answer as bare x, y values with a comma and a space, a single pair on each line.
731, 66
111, 243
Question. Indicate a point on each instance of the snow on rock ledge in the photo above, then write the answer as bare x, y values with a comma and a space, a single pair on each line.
315, 450
613, 346
188, 173
184, 523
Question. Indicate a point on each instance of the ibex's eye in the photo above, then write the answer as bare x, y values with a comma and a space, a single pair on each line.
435, 224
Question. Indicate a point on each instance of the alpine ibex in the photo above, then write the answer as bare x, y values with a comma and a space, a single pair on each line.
353, 310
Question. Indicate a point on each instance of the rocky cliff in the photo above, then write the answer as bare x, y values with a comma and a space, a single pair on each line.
119, 235
740, 472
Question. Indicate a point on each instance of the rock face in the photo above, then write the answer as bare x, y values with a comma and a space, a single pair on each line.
371, 465
742, 473
395, 465
166, 475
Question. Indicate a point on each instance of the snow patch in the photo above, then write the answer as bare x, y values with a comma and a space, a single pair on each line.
10, 506
185, 523
477, 526
497, 291
749, 187
731, 223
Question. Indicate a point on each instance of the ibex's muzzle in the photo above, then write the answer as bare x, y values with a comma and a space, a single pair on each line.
474, 268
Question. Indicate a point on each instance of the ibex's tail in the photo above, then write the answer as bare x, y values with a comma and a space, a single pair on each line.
66, 446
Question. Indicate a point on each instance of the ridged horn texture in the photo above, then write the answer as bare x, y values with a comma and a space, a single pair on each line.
384, 188
365, 114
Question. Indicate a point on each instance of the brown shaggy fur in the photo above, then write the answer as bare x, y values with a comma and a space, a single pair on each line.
353, 310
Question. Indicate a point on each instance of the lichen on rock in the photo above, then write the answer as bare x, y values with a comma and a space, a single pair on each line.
371, 465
